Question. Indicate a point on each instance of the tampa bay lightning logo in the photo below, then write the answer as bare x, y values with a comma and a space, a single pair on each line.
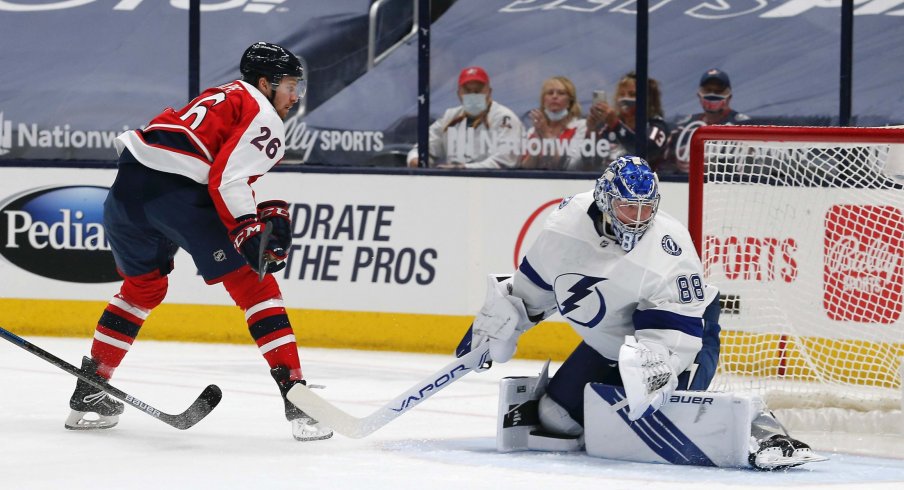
670, 246
579, 299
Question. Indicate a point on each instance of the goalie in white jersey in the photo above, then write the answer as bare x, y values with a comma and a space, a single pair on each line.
627, 278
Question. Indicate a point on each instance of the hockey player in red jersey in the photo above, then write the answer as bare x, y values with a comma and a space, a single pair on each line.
184, 181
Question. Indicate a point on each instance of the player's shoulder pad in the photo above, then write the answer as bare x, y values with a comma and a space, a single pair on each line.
570, 210
267, 114
672, 236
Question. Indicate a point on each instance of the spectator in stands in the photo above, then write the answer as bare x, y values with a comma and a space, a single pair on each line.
479, 134
553, 142
615, 125
715, 98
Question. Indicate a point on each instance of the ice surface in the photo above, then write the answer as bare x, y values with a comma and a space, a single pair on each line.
445, 443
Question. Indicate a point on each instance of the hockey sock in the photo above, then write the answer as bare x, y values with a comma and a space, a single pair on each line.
265, 313
123, 317
269, 326
115, 332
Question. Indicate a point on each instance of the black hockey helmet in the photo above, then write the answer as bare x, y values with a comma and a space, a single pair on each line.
269, 60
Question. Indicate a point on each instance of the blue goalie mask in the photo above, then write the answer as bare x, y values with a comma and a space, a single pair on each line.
628, 194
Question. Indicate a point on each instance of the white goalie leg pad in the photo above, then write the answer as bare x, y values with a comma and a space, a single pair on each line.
693, 428
518, 410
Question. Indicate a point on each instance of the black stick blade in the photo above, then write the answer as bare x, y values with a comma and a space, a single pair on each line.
203, 405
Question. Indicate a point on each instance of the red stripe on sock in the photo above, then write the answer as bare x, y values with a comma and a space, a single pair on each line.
266, 313
116, 335
124, 314
274, 335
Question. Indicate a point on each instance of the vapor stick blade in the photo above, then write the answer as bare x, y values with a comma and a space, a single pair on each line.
340, 421
329, 415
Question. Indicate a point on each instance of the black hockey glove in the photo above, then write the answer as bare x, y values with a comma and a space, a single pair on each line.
277, 212
246, 238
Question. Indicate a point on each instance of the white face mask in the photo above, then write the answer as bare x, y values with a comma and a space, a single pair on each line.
474, 104
556, 115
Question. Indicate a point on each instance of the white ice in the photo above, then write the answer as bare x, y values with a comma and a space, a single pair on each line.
445, 443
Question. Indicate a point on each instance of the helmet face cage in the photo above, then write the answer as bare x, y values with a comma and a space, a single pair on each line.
628, 193
273, 62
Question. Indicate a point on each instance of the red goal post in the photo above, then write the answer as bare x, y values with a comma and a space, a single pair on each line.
802, 231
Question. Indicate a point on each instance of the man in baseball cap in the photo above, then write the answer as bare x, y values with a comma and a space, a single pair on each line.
714, 94
474, 90
473, 74
478, 134
715, 74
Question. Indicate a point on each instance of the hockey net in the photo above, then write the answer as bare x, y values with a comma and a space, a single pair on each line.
802, 231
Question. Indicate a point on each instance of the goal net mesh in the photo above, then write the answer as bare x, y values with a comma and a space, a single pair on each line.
805, 241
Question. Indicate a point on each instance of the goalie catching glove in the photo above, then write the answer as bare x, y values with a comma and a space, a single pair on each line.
647, 377
501, 321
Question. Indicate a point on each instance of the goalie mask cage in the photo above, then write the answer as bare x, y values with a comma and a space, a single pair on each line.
802, 231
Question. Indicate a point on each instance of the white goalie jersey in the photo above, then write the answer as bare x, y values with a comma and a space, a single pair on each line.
654, 292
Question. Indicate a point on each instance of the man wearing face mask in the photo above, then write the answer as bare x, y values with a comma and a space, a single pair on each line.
479, 134
614, 125
715, 97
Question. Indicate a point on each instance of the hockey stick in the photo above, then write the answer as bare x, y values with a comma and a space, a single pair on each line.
262, 259
347, 425
202, 406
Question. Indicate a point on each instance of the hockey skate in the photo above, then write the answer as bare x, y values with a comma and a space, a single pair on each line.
89, 400
781, 452
304, 428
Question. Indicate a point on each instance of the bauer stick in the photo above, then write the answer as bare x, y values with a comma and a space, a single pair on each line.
202, 406
329, 415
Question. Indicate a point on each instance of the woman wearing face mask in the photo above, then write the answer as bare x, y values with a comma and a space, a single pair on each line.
479, 134
553, 142
615, 125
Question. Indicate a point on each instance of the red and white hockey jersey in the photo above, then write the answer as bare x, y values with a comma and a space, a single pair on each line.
225, 138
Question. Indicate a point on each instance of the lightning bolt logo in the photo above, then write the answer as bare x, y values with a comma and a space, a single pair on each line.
585, 286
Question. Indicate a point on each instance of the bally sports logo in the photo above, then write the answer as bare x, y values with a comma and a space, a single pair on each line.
864, 246
58, 233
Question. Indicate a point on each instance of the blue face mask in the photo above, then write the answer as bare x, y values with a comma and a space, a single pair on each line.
474, 104
556, 115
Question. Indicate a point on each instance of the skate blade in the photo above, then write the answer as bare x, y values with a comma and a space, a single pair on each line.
776, 462
78, 421
304, 431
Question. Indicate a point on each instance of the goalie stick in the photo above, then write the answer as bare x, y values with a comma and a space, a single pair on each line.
202, 406
331, 416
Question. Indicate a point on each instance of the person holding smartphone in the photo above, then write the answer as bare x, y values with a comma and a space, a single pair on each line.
611, 127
